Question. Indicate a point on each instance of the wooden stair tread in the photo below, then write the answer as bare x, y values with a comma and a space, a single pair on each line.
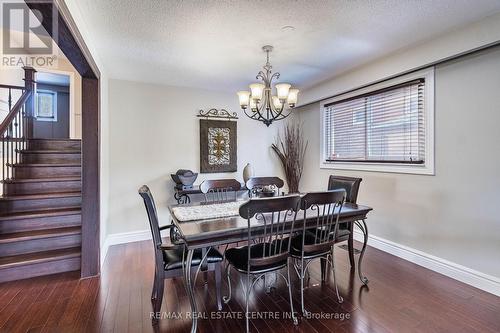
38, 257
55, 139
41, 213
59, 151
38, 234
42, 180
41, 165
41, 196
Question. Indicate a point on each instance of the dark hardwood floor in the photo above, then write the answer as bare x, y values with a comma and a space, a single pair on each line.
402, 297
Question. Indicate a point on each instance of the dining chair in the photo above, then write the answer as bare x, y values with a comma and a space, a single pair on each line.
275, 219
318, 242
169, 258
256, 184
220, 190
351, 186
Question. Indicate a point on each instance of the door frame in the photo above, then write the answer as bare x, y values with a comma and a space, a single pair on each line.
72, 96
71, 42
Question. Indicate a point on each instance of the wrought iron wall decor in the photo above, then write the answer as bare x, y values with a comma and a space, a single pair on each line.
218, 146
218, 113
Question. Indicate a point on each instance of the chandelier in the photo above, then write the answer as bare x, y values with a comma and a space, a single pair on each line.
263, 105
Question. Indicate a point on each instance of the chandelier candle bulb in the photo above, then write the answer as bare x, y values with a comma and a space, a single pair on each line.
253, 104
244, 97
257, 89
292, 97
277, 103
283, 89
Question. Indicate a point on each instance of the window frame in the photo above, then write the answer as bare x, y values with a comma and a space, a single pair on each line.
426, 168
53, 94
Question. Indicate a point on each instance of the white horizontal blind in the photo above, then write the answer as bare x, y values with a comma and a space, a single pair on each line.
384, 126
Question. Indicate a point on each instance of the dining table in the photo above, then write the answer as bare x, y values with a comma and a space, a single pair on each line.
206, 225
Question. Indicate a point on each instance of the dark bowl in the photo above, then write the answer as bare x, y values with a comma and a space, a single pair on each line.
184, 180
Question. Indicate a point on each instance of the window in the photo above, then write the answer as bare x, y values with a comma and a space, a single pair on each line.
385, 127
46, 105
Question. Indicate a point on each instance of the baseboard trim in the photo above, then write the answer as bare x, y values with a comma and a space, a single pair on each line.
122, 238
450, 269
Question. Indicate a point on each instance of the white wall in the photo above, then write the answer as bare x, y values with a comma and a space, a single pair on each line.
154, 132
455, 214
483, 32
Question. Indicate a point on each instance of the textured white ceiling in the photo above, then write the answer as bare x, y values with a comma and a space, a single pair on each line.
216, 44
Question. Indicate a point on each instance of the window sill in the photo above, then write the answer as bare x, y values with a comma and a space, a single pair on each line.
416, 169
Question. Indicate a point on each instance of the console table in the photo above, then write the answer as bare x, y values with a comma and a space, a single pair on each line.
182, 196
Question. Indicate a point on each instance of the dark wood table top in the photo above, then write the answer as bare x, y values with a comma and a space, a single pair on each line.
219, 231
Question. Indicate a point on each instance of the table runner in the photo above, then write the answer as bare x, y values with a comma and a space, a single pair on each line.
209, 211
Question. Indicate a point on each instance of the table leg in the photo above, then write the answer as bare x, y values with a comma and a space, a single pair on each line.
364, 229
190, 291
204, 265
350, 245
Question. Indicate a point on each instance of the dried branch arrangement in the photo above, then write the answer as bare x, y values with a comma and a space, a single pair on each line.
291, 148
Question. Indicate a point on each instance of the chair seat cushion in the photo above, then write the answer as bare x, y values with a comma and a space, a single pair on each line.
172, 258
309, 242
238, 257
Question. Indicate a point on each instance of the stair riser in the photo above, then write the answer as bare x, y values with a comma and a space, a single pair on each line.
51, 158
37, 245
12, 206
42, 187
46, 172
53, 145
42, 223
39, 269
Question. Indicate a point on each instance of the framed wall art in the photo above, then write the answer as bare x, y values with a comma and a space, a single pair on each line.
218, 146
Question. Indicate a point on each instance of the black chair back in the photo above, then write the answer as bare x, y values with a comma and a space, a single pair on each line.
277, 216
220, 190
149, 202
349, 184
321, 206
256, 184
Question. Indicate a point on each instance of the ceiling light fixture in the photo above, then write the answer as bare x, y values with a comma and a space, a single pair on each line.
263, 105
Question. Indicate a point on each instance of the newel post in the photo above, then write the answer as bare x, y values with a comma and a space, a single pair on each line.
30, 85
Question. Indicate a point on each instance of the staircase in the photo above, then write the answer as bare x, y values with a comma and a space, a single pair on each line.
40, 192
40, 210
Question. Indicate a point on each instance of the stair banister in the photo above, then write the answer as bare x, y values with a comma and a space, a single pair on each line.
17, 126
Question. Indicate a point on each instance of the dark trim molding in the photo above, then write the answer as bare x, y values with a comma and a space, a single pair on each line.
72, 44
90, 177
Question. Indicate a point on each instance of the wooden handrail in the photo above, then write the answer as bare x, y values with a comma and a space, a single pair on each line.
12, 114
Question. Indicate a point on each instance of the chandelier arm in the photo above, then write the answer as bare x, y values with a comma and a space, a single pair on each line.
251, 117
274, 76
283, 116
258, 111
279, 111
260, 75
